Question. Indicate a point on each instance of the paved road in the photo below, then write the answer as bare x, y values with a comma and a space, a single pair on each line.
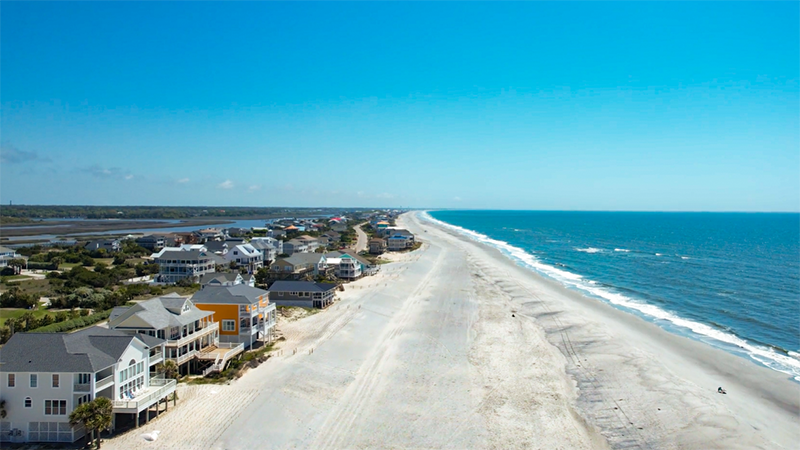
361, 243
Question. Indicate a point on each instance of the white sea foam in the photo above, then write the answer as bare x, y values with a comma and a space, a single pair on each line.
789, 364
684, 257
659, 254
589, 250
621, 250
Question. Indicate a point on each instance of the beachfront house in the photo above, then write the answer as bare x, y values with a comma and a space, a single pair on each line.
346, 268
367, 268
376, 246
191, 334
45, 376
244, 313
187, 261
245, 255
302, 293
399, 242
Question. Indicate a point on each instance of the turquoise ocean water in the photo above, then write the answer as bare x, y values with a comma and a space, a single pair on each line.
731, 280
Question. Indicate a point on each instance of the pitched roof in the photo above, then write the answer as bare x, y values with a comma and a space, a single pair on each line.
304, 258
222, 277
301, 286
89, 350
157, 313
240, 294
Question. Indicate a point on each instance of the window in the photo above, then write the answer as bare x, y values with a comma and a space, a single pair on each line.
228, 325
12, 380
84, 378
28, 402
280, 294
34, 380
55, 407
83, 399
56, 380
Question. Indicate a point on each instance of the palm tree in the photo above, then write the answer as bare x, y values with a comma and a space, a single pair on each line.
95, 416
169, 369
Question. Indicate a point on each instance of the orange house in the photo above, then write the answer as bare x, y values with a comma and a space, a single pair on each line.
245, 314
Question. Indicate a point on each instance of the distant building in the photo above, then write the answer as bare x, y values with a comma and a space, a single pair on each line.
377, 246
227, 279
156, 242
109, 245
245, 255
177, 263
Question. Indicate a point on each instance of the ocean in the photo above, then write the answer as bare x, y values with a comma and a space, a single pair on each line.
731, 280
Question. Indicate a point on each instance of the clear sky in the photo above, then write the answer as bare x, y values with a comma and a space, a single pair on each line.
609, 106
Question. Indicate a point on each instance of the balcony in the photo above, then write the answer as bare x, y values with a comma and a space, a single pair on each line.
82, 387
197, 334
157, 358
158, 389
103, 383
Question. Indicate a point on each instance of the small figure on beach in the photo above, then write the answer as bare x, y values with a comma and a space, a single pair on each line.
721, 391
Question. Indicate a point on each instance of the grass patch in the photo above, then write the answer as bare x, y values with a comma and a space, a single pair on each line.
16, 313
107, 261
33, 286
67, 266
16, 277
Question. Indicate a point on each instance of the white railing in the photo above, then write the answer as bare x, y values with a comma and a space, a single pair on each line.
105, 382
82, 387
167, 387
210, 328
157, 358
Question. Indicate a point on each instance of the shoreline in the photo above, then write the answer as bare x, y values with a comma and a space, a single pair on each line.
761, 408
781, 359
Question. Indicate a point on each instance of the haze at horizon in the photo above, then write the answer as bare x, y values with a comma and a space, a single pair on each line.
541, 106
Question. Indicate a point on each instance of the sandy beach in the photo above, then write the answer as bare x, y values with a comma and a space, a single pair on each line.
455, 346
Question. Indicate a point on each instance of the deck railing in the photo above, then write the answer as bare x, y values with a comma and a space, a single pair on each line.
167, 386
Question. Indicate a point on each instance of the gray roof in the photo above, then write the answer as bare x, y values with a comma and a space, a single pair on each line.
222, 277
89, 350
185, 254
304, 258
216, 246
262, 245
300, 286
158, 313
240, 294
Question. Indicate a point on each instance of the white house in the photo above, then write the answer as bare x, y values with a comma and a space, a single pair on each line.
45, 376
186, 261
191, 335
245, 255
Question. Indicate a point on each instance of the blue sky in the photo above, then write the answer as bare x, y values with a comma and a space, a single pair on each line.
575, 106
